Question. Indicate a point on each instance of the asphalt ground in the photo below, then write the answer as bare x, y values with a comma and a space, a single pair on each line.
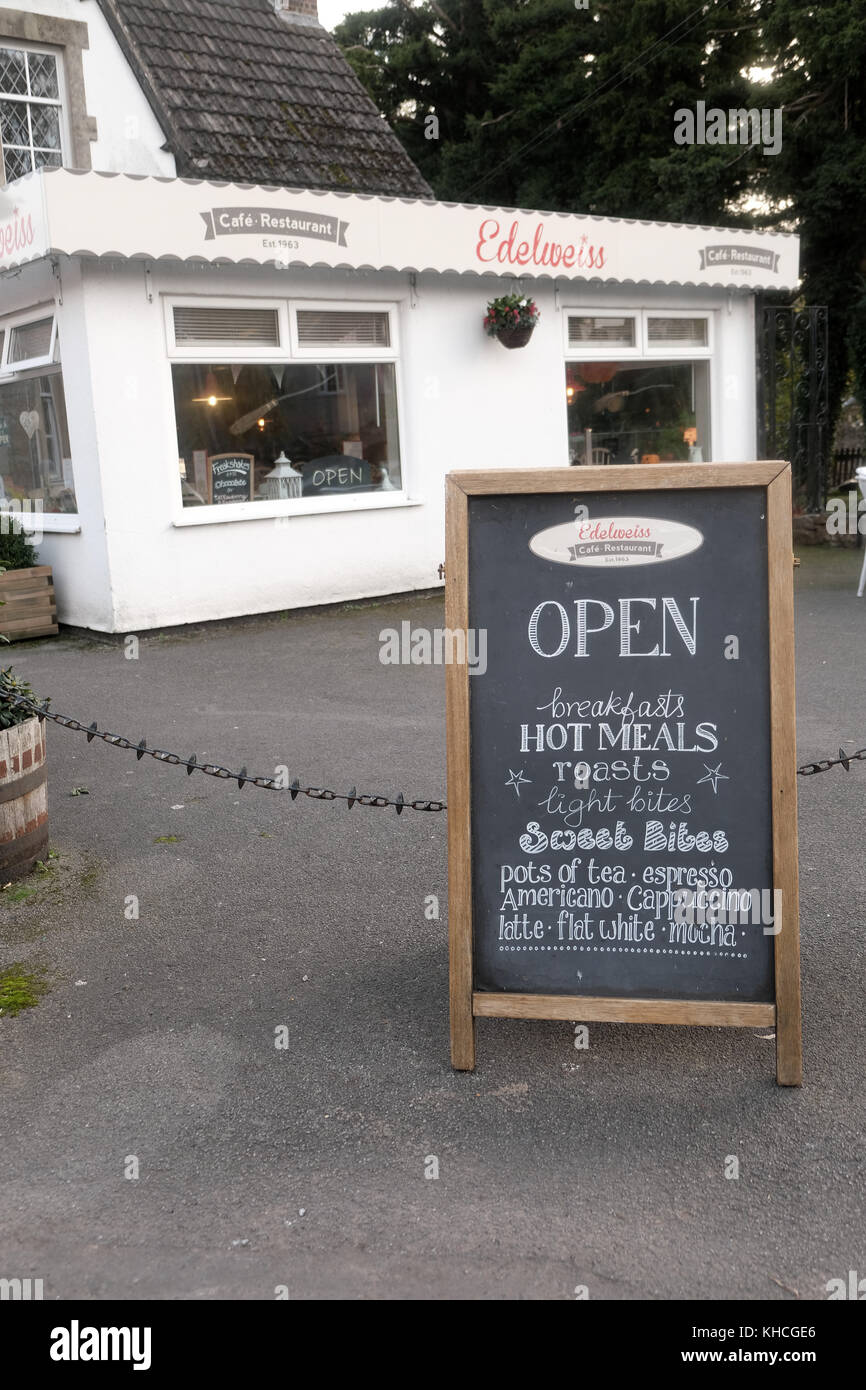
304, 1166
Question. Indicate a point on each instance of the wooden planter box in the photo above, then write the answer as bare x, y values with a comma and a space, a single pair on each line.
29, 608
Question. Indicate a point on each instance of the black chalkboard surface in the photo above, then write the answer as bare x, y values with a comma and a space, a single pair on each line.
617, 835
675, 744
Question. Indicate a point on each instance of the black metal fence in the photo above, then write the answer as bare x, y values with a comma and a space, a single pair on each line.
793, 396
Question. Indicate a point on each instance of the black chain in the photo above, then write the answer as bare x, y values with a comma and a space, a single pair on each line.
295, 789
272, 784
824, 764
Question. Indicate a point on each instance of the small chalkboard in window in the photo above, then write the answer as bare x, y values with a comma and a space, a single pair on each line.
230, 477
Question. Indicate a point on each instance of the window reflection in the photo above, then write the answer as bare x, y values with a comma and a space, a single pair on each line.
638, 412
243, 425
35, 457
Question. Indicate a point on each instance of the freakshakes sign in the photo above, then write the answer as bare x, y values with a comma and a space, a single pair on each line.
230, 477
621, 779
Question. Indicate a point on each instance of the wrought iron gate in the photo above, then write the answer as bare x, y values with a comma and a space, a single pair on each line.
793, 395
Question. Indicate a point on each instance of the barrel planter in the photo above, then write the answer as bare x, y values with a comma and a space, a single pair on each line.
23, 799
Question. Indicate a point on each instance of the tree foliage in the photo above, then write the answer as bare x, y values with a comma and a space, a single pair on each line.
541, 104
538, 103
818, 182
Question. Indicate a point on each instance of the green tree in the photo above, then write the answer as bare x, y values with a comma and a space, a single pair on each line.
419, 61
817, 185
540, 104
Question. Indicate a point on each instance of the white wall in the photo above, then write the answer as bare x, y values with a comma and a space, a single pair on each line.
466, 402
130, 137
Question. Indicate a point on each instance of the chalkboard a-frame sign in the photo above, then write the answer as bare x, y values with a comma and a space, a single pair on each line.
622, 812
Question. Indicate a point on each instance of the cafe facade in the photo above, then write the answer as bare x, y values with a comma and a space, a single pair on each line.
226, 399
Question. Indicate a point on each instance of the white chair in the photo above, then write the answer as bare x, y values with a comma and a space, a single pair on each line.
601, 457
861, 479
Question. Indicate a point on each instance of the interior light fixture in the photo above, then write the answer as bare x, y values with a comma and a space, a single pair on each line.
211, 396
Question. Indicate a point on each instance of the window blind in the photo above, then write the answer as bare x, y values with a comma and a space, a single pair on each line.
194, 324
31, 340
332, 327
585, 329
678, 332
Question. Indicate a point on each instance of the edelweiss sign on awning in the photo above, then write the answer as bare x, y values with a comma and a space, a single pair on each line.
175, 219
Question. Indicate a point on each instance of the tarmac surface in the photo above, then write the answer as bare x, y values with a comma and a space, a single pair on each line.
304, 1166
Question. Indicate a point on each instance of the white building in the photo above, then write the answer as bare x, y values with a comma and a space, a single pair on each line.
165, 341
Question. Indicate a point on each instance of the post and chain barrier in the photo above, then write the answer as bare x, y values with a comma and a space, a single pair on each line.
295, 788
210, 769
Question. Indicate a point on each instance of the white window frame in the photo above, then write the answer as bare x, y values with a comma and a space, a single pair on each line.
261, 509
659, 353
42, 522
594, 352
21, 320
361, 352
58, 53
643, 350
219, 350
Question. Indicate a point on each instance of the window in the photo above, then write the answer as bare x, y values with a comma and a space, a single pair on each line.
228, 328
638, 412
330, 328
316, 419
602, 328
320, 330
637, 386
640, 333
678, 331
30, 110
335, 424
31, 342
35, 460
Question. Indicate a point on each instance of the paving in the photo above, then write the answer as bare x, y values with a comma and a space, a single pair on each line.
302, 1167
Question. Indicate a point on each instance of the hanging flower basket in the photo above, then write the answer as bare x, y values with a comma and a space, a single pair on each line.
516, 337
511, 318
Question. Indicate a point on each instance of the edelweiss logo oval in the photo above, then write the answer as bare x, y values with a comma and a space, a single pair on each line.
615, 540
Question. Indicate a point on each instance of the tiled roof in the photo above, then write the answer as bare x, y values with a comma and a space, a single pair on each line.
251, 96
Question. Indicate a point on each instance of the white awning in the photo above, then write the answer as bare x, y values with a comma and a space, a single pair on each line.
61, 212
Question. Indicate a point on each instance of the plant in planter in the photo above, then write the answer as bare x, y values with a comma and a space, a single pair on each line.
26, 590
511, 318
23, 791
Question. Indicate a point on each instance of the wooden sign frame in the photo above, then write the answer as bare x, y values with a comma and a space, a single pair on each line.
466, 1003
